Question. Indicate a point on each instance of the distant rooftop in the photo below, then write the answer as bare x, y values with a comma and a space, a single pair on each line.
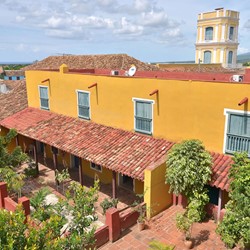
108, 61
14, 100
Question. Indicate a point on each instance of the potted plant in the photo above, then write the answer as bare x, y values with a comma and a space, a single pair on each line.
184, 224
141, 209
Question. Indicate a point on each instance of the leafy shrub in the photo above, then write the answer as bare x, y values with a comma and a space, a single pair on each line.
108, 203
234, 229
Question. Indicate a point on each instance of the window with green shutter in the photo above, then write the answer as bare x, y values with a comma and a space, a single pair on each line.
238, 133
83, 104
44, 97
143, 115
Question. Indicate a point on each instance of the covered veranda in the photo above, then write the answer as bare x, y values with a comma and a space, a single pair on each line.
120, 152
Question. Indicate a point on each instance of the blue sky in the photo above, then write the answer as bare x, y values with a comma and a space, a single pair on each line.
149, 30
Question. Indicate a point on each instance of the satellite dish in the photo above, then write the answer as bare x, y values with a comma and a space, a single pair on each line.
132, 70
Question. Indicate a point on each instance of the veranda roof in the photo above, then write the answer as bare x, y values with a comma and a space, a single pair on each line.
122, 151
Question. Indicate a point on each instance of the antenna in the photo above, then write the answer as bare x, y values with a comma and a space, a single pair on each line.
132, 70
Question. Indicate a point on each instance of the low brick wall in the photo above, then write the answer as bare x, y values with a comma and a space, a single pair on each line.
102, 235
128, 219
212, 211
116, 222
9, 204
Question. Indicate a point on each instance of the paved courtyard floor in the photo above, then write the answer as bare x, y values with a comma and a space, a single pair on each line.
161, 227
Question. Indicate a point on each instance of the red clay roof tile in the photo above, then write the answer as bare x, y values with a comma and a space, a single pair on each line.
118, 150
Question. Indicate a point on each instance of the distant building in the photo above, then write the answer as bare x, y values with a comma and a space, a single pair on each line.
14, 75
217, 37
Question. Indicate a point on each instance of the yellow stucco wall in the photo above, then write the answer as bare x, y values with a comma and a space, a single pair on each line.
105, 176
139, 187
183, 109
156, 194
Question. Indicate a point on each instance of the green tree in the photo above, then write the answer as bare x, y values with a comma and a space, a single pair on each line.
61, 177
83, 215
80, 205
14, 180
235, 227
188, 171
10, 159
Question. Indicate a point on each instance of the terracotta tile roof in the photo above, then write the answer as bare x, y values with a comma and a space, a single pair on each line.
122, 151
15, 100
221, 166
212, 68
14, 72
109, 61
119, 150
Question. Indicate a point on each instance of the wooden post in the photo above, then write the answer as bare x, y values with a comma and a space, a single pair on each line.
219, 205
80, 172
17, 140
36, 156
114, 185
54, 150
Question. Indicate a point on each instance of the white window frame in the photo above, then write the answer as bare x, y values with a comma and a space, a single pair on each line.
227, 113
134, 99
93, 167
43, 86
87, 92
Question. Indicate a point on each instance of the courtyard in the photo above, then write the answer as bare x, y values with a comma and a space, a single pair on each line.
161, 227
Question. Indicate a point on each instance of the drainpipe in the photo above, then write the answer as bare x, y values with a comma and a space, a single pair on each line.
243, 101
219, 205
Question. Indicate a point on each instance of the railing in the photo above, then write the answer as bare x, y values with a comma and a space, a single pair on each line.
143, 125
237, 143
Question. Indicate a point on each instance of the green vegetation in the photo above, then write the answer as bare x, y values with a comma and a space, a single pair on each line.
188, 171
10, 159
108, 203
46, 234
246, 64
14, 180
61, 177
235, 227
14, 66
47, 221
157, 245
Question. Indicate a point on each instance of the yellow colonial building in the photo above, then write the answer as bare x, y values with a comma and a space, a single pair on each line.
119, 128
217, 37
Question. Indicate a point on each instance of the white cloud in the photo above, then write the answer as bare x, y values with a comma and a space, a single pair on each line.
55, 22
127, 28
155, 18
20, 19
142, 5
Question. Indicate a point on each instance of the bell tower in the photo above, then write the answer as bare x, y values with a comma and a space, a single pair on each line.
217, 37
